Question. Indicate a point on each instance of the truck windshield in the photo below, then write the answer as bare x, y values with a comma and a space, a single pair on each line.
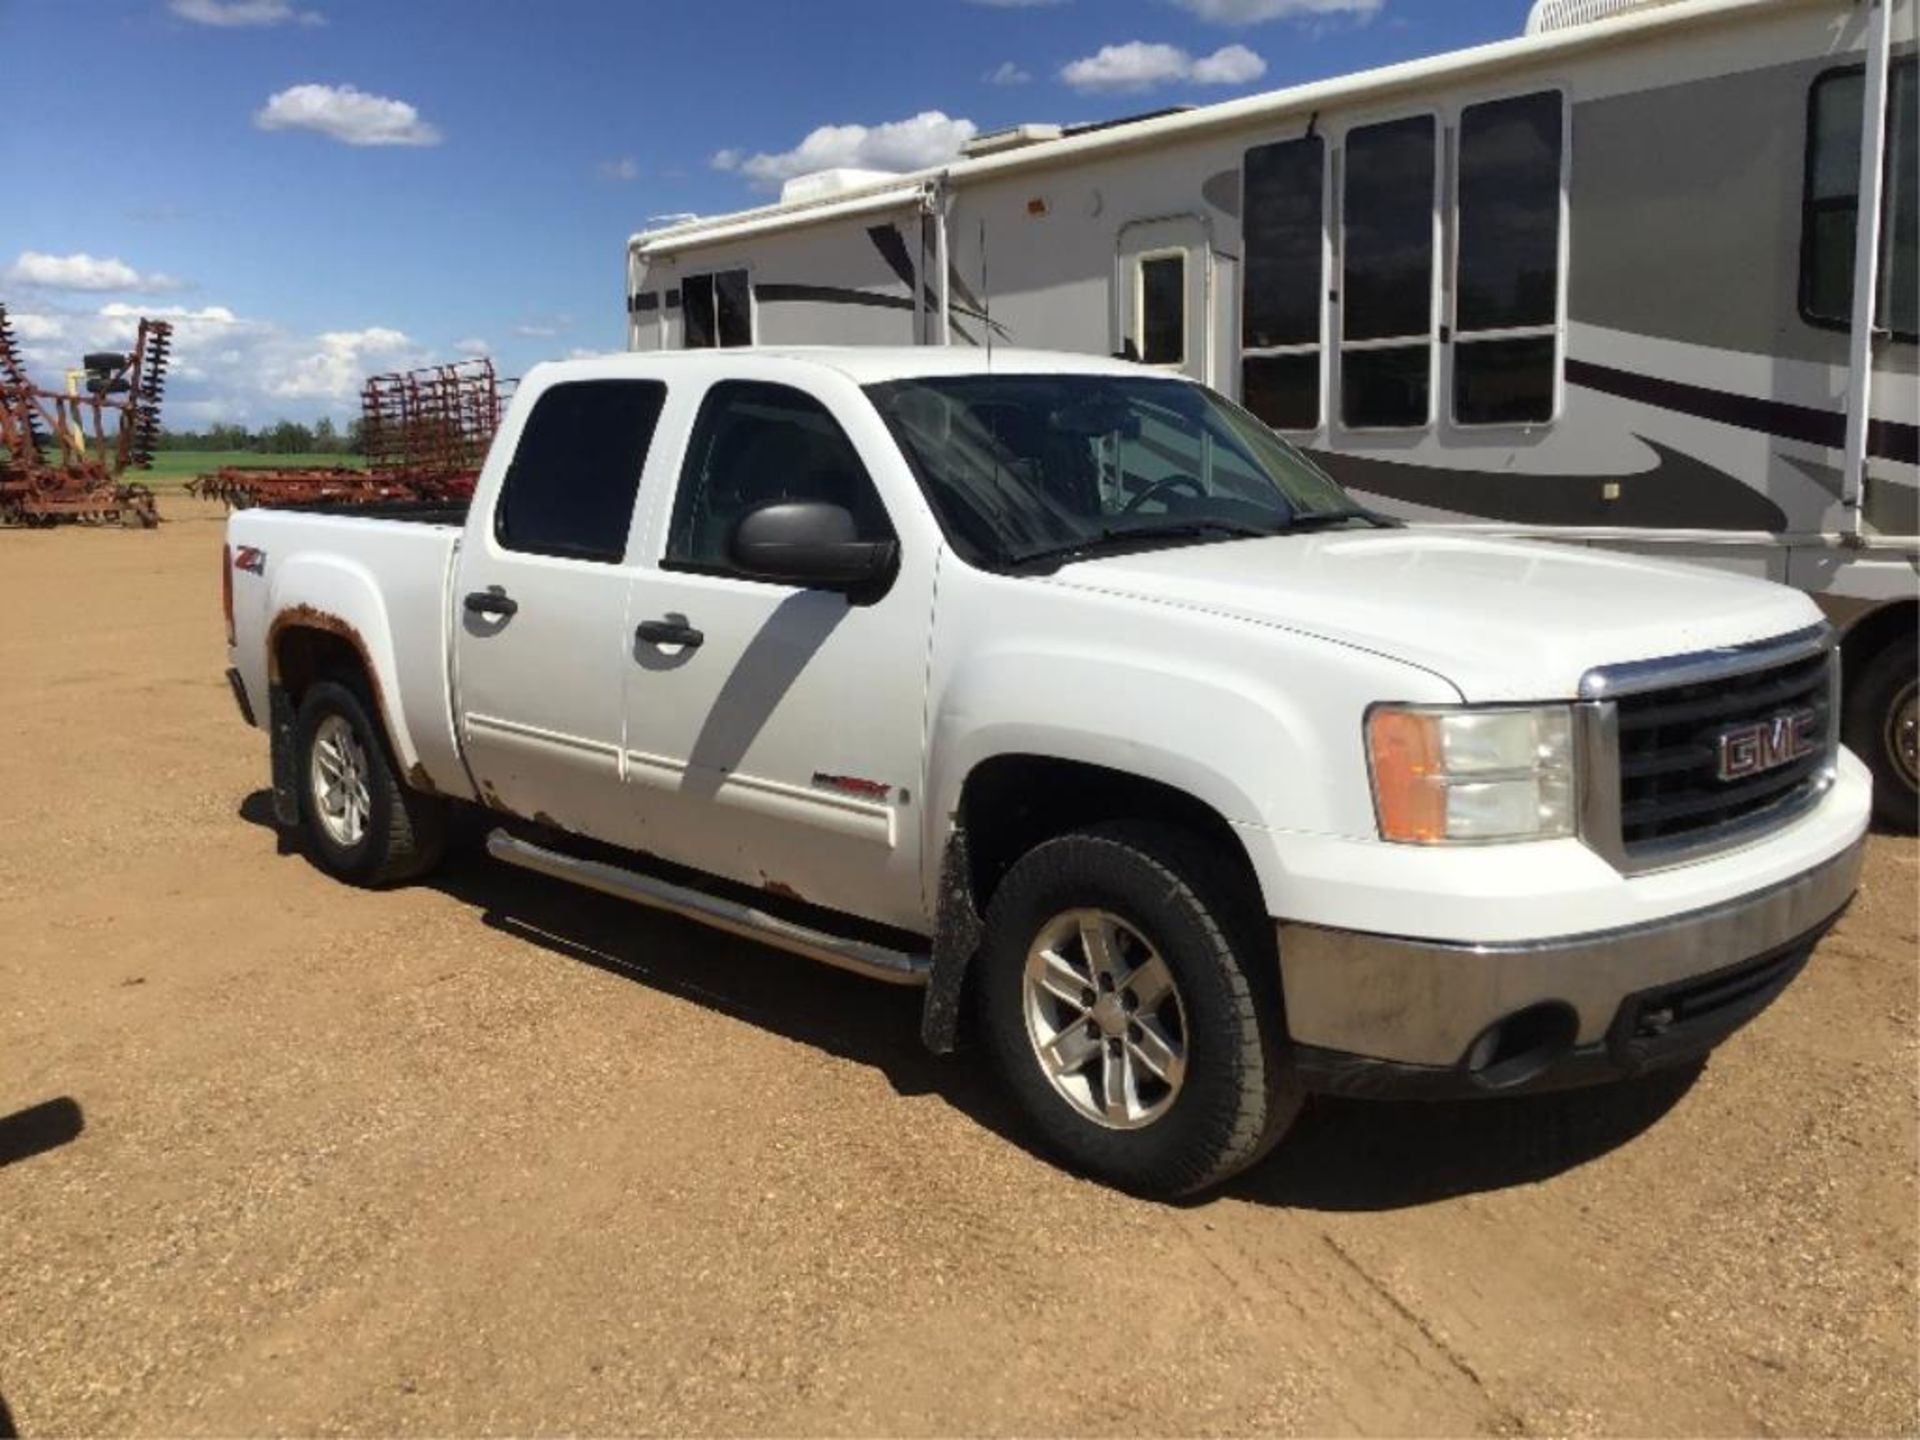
1031, 468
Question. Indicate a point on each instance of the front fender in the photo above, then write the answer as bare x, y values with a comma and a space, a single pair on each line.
1264, 726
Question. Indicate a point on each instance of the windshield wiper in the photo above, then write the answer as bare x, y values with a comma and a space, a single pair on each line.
1111, 538
1321, 519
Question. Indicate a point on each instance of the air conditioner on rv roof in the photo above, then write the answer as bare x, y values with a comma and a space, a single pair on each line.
1563, 14
822, 184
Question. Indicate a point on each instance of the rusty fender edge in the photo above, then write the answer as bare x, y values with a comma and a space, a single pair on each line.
282, 715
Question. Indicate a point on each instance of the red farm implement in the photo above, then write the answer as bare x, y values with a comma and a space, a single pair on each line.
64, 453
425, 434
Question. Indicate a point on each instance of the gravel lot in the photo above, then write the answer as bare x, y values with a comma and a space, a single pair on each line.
494, 1155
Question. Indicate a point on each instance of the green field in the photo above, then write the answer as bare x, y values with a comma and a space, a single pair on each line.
173, 468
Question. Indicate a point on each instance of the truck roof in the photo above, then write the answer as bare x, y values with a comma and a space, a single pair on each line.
863, 364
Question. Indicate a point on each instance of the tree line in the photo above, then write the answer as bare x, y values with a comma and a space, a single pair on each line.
283, 437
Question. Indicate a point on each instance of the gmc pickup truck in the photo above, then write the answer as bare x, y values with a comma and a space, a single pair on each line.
1066, 690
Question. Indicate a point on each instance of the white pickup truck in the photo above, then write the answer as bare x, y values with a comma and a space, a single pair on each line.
1066, 690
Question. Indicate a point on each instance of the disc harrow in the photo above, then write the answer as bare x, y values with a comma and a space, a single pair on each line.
425, 434
64, 454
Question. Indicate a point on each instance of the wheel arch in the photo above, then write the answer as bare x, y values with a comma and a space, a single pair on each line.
1873, 631
1007, 804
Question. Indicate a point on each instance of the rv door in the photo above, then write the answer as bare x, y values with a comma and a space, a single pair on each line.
1162, 290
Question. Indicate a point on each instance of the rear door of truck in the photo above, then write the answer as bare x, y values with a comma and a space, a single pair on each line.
540, 640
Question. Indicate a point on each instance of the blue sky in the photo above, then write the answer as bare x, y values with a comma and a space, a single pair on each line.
319, 189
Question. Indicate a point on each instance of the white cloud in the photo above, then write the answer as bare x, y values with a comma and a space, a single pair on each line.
582, 352
336, 362
472, 345
1007, 73
349, 115
928, 138
1140, 65
672, 217
230, 14
541, 329
1229, 65
1258, 12
228, 366
621, 169
81, 271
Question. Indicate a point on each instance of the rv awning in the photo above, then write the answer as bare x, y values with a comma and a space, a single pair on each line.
700, 234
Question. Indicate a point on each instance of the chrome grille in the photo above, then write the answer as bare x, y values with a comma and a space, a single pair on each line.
1656, 793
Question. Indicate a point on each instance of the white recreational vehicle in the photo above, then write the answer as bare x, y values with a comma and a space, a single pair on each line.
1596, 284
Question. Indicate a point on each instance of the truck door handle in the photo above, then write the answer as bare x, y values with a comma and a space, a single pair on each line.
669, 632
491, 602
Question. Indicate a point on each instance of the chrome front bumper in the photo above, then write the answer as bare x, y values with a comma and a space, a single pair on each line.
1372, 1013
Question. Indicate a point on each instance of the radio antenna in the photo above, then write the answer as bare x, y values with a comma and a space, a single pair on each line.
986, 294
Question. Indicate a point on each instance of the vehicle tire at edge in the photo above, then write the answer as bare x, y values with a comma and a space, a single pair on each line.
1877, 697
405, 831
1240, 1092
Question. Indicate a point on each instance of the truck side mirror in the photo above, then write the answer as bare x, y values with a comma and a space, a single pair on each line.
811, 543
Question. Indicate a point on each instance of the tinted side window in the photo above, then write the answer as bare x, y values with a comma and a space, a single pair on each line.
1389, 230
1386, 359
1285, 187
576, 470
1285, 282
1831, 207
1507, 305
696, 299
1163, 309
756, 443
719, 310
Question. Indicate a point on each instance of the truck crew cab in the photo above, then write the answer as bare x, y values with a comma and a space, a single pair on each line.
1070, 693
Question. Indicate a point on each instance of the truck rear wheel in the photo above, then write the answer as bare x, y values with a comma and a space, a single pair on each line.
362, 824
1882, 726
1123, 1004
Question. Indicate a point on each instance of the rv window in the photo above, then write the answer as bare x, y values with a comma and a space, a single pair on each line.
755, 443
1283, 390
576, 469
1387, 287
1832, 202
1283, 293
696, 300
718, 310
1161, 325
1507, 285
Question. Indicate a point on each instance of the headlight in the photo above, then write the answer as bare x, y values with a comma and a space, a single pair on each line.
1444, 775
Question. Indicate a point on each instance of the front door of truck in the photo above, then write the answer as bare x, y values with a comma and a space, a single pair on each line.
1163, 295
540, 636
774, 732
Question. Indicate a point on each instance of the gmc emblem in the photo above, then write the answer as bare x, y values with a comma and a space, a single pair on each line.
1766, 745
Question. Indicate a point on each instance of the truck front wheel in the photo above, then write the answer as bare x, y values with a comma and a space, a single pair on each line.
1125, 1002
362, 824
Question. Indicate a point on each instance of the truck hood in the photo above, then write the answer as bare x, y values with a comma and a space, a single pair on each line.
1500, 620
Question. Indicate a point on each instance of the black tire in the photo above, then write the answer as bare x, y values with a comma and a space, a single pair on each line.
1240, 1091
405, 832
1876, 700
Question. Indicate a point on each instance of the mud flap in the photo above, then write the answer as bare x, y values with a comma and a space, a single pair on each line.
284, 751
956, 939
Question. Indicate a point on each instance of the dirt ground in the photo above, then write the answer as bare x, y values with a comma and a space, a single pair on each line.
495, 1155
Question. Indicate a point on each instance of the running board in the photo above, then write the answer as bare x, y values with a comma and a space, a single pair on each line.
876, 962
